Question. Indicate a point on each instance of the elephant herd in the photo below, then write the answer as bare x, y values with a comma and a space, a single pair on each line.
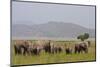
30, 48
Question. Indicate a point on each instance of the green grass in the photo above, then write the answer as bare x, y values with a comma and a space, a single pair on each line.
45, 58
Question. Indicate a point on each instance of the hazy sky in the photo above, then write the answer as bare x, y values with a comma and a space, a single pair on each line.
38, 13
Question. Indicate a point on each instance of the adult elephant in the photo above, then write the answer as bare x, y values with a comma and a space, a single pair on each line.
81, 47
68, 50
36, 47
34, 50
56, 49
21, 47
17, 49
47, 47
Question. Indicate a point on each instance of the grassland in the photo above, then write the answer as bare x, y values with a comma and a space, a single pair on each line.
45, 58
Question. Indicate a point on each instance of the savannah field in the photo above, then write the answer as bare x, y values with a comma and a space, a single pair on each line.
46, 58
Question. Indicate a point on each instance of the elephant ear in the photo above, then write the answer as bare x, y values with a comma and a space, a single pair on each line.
86, 43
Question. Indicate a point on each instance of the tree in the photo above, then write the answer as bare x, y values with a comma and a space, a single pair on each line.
86, 35
83, 37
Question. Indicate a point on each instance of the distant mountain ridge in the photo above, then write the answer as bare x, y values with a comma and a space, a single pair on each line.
50, 29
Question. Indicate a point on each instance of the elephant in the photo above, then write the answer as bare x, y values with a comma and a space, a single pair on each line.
82, 47
47, 48
68, 50
34, 50
21, 48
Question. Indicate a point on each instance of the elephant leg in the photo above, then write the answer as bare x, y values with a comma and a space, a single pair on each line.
86, 50
76, 51
15, 49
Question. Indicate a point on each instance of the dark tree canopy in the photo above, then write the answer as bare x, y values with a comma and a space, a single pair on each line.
83, 37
